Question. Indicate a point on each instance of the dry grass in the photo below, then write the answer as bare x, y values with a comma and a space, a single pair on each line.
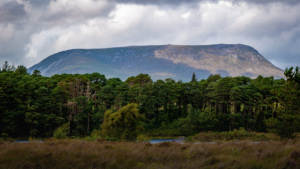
113, 155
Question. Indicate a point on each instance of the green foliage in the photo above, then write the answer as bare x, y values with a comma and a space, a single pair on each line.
194, 78
4, 136
197, 120
33, 105
111, 138
91, 138
62, 131
96, 134
240, 134
140, 79
10, 139
287, 121
143, 138
33, 133
123, 124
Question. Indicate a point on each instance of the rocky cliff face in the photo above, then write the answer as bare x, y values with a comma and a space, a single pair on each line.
166, 61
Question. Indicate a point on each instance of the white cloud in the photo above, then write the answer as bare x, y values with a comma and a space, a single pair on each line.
273, 29
186, 15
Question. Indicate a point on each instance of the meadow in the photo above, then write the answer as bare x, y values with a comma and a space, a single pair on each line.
77, 153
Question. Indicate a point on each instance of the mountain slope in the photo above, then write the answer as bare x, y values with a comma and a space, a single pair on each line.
165, 61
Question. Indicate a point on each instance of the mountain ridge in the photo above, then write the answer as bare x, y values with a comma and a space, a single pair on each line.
161, 61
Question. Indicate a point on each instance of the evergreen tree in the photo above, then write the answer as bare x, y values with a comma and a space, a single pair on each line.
287, 121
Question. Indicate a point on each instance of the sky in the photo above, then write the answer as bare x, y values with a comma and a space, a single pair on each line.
31, 30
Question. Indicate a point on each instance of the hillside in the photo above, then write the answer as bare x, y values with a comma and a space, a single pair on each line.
165, 61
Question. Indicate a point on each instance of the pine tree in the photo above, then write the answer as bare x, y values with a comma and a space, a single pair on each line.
287, 121
194, 78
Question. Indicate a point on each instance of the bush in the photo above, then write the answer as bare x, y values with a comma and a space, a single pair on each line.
96, 133
92, 138
262, 137
4, 136
10, 139
111, 138
143, 138
231, 135
123, 124
62, 131
33, 133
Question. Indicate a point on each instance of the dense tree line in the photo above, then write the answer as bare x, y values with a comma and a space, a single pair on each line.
33, 105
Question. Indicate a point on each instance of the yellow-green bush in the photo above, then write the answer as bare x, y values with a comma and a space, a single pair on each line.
143, 138
62, 131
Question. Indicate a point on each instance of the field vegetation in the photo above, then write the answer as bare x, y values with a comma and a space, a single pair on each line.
75, 153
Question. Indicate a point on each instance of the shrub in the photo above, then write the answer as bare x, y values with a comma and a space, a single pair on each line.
33, 133
4, 136
96, 133
10, 139
123, 124
62, 131
262, 137
111, 138
91, 138
143, 138
231, 135
32, 139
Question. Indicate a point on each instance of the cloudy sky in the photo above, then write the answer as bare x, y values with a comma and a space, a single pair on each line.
31, 30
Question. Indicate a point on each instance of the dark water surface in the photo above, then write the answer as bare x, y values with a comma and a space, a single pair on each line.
155, 141
27, 141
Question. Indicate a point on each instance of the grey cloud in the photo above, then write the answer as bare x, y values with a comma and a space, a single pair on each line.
11, 11
291, 2
67, 16
38, 2
180, 2
158, 2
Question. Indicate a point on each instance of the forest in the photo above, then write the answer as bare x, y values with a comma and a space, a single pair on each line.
32, 105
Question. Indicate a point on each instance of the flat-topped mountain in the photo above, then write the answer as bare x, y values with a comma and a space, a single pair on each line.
161, 62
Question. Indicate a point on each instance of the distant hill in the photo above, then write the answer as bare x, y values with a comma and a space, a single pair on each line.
161, 62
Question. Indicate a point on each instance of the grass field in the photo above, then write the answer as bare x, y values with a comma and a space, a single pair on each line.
72, 153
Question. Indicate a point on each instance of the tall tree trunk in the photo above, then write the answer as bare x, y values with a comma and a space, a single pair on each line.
88, 125
250, 113
244, 112
220, 108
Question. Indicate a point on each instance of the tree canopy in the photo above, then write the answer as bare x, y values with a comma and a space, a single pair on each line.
34, 105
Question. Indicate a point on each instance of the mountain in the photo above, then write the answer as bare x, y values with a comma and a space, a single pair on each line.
161, 62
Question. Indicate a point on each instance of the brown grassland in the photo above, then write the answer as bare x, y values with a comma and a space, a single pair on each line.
68, 153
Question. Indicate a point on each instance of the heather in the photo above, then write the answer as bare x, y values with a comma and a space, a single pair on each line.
75, 153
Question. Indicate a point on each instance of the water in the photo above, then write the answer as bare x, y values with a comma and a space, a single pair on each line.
27, 141
155, 141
